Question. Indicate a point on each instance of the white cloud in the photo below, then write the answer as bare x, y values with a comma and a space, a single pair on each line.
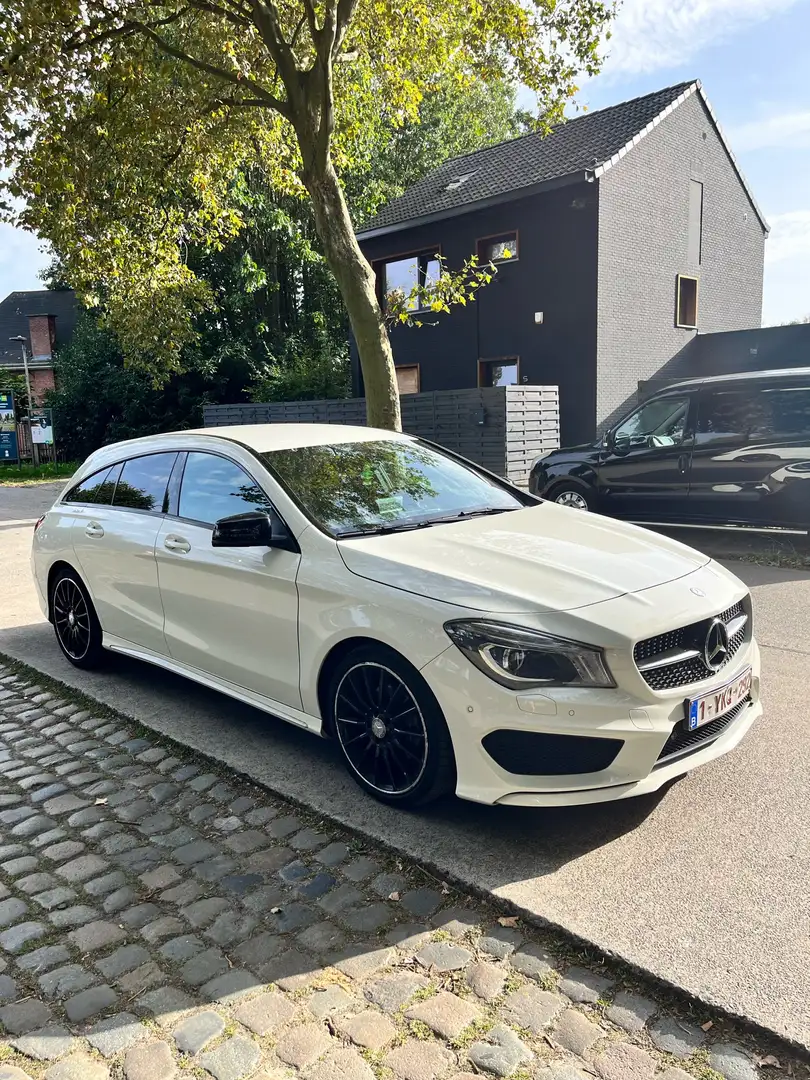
787, 268
653, 34
789, 238
784, 129
21, 259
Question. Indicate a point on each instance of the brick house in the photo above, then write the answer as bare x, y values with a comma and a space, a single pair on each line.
630, 230
46, 319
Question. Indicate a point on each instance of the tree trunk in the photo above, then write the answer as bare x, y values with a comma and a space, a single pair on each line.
356, 282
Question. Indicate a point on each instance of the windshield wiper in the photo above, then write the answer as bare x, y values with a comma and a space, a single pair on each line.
408, 526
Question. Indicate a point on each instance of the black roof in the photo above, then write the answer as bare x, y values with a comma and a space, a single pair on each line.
738, 376
572, 150
17, 306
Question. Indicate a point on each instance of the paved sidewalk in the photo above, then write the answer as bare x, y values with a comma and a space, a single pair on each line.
159, 918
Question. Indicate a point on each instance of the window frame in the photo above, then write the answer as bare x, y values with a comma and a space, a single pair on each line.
678, 315
498, 236
382, 263
484, 360
174, 505
410, 367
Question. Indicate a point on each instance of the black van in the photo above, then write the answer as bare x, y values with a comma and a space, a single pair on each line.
729, 450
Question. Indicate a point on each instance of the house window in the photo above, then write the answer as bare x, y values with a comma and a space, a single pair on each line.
686, 309
408, 379
694, 243
500, 372
498, 249
403, 275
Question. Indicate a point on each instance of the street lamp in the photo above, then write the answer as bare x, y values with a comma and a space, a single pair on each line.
22, 341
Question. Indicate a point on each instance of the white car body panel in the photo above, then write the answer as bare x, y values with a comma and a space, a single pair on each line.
259, 624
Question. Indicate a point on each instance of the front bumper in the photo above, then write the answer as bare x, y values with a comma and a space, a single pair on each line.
630, 730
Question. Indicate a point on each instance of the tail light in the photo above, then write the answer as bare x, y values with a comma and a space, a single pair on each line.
38, 523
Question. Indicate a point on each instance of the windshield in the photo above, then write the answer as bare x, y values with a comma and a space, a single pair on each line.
385, 486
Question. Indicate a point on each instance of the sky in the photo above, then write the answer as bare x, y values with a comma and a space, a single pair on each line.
750, 55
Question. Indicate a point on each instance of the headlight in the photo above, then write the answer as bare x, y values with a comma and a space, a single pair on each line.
521, 658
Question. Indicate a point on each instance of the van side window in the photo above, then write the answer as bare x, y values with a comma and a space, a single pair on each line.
761, 412
790, 411
658, 422
731, 415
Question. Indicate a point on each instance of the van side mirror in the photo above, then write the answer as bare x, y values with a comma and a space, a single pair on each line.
257, 528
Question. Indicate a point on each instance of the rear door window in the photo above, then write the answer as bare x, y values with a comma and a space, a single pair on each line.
732, 416
144, 481
95, 490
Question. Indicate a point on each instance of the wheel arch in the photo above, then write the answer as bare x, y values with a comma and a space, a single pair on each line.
60, 564
334, 657
560, 482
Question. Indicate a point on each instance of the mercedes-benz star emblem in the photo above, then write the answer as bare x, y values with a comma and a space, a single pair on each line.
715, 648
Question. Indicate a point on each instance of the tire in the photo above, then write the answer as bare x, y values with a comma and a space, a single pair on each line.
574, 496
406, 766
75, 623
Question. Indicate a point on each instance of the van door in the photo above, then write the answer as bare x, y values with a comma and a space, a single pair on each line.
751, 462
643, 474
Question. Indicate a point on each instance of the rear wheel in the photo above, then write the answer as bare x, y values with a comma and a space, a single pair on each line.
390, 729
572, 496
75, 621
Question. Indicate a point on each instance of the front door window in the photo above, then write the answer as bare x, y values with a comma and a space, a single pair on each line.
657, 423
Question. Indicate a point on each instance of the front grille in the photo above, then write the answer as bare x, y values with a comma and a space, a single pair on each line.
681, 742
683, 672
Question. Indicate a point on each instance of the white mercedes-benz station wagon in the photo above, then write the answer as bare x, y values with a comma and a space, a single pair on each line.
450, 632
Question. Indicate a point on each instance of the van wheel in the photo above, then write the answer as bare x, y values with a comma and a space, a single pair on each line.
390, 729
75, 622
572, 496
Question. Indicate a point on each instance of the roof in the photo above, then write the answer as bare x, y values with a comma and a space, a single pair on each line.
582, 148
262, 438
287, 436
14, 312
738, 376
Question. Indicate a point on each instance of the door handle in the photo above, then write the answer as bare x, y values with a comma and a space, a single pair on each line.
178, 544
94, 530
683, 462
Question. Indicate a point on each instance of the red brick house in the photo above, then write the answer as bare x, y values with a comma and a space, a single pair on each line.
46, 319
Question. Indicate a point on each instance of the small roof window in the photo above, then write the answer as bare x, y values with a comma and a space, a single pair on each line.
456, 181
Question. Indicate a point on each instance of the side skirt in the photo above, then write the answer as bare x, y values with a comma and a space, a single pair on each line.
276, 708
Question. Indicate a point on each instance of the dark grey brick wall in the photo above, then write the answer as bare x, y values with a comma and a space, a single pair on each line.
643, 216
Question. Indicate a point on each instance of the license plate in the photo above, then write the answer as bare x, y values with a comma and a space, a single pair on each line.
700, 711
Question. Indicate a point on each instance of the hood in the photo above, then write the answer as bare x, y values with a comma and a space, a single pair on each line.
543, 558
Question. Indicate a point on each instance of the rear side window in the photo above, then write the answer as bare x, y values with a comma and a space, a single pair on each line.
215, 488
761, 412
97, 490
791, 411
144, 481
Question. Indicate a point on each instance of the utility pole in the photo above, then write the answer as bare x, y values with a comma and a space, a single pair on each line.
21, 339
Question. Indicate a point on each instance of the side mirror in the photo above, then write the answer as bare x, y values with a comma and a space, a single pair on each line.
258, 528
621, 444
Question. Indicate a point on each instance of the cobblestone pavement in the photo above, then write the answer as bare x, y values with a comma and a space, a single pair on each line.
158, 918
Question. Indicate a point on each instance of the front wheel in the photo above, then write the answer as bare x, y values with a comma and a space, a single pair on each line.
75, 622
390, 729
572, 496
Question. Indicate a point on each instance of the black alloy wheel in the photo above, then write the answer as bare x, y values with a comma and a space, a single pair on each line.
74, 620
389, 727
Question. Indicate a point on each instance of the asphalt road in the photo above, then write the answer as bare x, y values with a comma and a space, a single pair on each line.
704, 886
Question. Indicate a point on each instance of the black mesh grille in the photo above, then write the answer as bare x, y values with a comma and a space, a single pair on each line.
687, 637
682, 742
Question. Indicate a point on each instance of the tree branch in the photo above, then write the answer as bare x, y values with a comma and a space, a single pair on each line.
237, 20
217, 72
345, 13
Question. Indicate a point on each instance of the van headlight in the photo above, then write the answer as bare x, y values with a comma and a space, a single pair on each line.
521, 658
